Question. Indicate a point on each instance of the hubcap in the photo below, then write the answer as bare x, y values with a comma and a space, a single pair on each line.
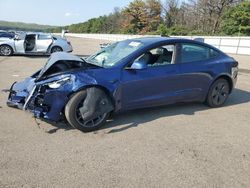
220, 93
90, 123
5, 50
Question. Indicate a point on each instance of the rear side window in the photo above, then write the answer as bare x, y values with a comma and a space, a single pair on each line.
44, 37
194, 53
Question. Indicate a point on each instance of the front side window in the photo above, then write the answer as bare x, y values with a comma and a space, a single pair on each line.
195, 52
160, 56
111, 55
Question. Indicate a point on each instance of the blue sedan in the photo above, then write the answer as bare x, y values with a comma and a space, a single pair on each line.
131, 74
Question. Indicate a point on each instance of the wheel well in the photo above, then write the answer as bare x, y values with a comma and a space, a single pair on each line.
97, 86
56, 47
227, 78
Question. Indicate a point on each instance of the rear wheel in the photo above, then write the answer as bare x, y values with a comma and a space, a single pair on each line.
74, 117
6, 50
56, 49
218, 93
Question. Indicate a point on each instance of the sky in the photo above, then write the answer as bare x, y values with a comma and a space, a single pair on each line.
56, 12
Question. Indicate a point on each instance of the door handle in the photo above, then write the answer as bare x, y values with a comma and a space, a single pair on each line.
113, 81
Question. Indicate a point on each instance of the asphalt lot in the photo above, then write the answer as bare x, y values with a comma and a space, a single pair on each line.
188, 145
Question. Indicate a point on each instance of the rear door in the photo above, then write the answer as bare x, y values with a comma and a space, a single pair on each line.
197, 64
43, 41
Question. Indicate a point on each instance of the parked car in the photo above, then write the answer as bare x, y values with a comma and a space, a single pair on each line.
33, 43
104, 45
130, 74
5, 34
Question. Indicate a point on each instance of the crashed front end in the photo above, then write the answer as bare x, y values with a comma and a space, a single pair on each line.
46, 92
45, 99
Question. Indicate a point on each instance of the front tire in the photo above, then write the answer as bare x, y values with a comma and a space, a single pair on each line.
218, 93
6, 50
73, 115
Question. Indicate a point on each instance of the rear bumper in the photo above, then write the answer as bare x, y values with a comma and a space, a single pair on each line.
234, 76
68, 49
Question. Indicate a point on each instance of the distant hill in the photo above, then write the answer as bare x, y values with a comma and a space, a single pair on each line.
4, 25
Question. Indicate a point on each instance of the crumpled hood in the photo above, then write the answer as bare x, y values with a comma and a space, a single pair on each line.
55, 57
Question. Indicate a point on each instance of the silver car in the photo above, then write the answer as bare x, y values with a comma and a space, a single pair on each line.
33, 43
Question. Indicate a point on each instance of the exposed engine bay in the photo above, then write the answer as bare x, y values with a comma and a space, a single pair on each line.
62, 66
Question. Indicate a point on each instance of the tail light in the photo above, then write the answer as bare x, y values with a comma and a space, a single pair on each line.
69, 43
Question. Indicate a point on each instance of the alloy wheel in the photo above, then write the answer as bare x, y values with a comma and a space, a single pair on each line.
220, 93
5, 50
90, 123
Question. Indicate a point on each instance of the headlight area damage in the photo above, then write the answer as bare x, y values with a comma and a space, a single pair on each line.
44, 99
54, 97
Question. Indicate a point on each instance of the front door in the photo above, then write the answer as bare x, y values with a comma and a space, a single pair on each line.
156, 84
19, 43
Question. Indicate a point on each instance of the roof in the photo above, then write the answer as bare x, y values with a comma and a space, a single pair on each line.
152, 40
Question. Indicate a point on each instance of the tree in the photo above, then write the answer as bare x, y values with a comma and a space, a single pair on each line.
136, 17
171, 11
237, 19
142, 16
153, 14
198, 17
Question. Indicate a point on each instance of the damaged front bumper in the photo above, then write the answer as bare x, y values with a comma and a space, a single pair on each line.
45, 99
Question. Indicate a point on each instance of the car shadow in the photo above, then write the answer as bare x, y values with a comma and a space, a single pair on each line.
134, 118
32, 55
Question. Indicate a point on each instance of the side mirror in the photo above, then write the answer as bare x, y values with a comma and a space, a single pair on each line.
16, 37
138, 64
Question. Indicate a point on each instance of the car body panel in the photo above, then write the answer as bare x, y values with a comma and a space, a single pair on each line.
127, 88
19, 46
135, 90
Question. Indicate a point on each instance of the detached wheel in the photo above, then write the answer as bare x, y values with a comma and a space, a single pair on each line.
6, 50
56, 49
74, 117
218, 93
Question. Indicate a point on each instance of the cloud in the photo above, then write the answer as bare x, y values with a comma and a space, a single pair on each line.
67, 14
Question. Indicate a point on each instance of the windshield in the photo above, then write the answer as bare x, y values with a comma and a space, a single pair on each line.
111, 55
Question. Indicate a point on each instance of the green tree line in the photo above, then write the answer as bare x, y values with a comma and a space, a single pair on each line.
172, 17
4, 25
